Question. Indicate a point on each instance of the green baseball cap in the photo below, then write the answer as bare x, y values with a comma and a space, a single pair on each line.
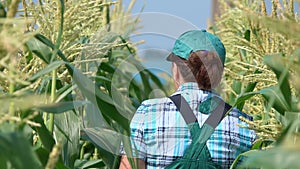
194, 40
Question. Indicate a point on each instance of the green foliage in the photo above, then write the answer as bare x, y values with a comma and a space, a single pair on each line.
250, 33
2, 11
267, 46
41, 50
16, 150
287, 158
81, 164
108, 142
69, 82
285, 151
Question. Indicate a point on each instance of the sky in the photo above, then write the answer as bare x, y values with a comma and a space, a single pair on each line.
162, 22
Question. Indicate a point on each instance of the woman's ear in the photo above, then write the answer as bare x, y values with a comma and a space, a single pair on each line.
174, 71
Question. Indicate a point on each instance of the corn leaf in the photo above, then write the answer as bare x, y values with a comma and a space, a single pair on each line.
2, 11
2, 162
250, 87
81, 164
52, 66
60, 31
285, 158
241, 99
277, 64
89, 90
127, 109
45, 41
42, 154
276, 99
22, 102
40, 49
108, 108
238, 158
16, 149
68, 125
44, 134
108, 141
61, 107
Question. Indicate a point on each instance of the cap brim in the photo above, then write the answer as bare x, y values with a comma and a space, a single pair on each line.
170, 57
173, 58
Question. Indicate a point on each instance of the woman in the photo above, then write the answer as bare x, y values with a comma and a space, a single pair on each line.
160, 135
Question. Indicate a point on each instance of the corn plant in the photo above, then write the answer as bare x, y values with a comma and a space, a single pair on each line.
264, 61
286, 103
249, 33
64, 89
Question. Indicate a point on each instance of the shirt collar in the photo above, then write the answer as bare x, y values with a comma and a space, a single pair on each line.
187, 86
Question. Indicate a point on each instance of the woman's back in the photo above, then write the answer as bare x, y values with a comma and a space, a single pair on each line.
161, 134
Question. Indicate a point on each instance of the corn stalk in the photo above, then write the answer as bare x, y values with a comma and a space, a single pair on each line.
247, 38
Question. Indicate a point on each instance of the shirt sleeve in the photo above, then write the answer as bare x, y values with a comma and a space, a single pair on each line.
138, 145
137, 133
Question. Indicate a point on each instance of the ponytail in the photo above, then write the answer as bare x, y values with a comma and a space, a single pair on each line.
203, 67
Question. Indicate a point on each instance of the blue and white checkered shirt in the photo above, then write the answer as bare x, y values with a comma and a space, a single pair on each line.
160, 134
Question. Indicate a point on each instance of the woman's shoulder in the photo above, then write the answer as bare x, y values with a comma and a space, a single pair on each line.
153, 105
156, 101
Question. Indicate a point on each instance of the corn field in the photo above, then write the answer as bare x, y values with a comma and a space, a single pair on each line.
68, 92
261, 75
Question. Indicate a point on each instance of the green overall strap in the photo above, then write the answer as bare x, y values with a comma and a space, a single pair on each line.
197, 154
187, 114
211, 122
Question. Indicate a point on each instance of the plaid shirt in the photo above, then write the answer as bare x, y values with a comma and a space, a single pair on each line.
160, 135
